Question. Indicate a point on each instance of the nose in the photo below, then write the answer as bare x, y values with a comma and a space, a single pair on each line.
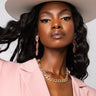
56, 25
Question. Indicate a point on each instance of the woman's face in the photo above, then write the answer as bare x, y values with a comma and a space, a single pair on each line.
55, 25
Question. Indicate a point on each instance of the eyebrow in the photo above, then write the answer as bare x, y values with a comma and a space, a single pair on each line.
60, 12
46, 13
64, 11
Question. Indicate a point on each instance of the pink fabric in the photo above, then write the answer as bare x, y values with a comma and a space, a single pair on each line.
26, 79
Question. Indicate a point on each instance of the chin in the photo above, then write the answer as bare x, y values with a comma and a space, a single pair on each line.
57, 46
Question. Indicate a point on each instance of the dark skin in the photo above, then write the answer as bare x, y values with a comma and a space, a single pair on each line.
56, 17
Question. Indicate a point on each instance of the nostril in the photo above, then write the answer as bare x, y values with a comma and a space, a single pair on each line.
56, 27
59, 27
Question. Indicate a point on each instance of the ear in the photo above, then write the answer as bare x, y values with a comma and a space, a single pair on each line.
37, 38
38, 34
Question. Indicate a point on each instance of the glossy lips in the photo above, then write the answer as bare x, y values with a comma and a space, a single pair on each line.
57, 35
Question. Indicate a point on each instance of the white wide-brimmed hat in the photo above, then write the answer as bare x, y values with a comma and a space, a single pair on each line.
86, 7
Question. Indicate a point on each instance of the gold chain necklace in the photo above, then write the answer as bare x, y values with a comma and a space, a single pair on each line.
52, 79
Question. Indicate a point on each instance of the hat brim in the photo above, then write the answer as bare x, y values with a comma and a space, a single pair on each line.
86, 7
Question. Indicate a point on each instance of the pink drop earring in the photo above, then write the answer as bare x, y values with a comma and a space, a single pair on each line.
37, 44
74, 46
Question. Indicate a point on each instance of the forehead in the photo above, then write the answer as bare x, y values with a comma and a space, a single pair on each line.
52, 6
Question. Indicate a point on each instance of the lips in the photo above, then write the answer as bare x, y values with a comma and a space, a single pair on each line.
57, 34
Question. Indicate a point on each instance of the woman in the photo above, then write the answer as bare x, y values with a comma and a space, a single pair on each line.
53, 36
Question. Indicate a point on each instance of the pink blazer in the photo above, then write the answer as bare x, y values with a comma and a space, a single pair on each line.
26, 79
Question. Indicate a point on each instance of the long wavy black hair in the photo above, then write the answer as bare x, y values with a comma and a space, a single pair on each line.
26, 29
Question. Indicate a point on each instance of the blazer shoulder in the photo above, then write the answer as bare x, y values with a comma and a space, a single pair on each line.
83, 87
1, 63
6, 66
91, 91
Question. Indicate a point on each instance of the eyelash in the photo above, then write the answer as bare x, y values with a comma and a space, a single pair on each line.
66, 18
47, 20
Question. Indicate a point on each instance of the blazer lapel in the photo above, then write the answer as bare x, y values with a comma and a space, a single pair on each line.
33, 78
78, 87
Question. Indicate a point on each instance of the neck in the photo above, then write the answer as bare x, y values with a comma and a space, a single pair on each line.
54, 61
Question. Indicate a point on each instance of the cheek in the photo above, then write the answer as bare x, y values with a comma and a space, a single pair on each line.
69, 29
43, 28
43, 31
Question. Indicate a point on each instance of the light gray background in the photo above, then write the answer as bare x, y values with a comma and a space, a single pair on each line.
91, 37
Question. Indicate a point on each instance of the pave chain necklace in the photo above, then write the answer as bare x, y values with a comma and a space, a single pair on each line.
52, 79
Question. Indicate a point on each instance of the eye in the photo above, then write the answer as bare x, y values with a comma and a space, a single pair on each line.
66, 18
45, 20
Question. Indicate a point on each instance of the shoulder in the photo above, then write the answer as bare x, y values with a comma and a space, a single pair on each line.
83, 87
6, 66
29, 65
91, 91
